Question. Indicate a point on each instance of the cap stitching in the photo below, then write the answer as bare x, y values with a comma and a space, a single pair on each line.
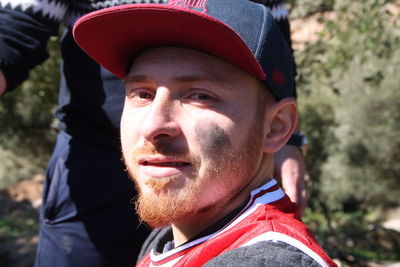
257, 53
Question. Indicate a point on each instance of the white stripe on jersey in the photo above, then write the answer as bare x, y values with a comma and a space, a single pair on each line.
275, 236
261, 200
167, 264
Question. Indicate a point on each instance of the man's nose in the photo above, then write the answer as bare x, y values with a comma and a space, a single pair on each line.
160, 122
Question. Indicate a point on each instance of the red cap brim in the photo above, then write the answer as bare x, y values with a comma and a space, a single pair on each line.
114, 36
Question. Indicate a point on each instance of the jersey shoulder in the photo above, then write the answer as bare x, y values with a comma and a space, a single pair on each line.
266, 253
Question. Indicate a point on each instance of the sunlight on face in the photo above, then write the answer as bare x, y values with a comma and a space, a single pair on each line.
190, 132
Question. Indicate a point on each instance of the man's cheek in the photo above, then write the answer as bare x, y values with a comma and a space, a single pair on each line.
213, 139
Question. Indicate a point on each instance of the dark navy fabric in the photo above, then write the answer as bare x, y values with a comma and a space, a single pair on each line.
90, 99
87, 218
23, 40
87, 210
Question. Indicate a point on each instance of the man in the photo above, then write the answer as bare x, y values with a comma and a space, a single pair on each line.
209, 88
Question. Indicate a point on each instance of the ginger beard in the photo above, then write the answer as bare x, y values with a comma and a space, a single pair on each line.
228, 170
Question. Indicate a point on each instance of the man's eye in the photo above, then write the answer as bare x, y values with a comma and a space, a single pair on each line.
144, 95
139, 97
138, 94
201, 97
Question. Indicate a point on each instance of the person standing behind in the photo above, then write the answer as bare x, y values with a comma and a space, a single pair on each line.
87, 216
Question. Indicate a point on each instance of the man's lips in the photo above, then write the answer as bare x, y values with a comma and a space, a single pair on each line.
162, 167
163, 162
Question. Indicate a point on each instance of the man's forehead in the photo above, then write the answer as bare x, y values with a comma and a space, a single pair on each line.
183, 65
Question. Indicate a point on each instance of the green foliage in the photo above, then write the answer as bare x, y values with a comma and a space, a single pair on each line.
350, 110
354, 239
350, 106
308, 7
26, 119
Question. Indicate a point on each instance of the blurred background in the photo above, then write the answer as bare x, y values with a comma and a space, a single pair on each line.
348, 57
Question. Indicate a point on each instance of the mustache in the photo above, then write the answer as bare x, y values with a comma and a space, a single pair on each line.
166, 149
163, 147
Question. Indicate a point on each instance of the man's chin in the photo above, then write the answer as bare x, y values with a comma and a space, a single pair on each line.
169, 185
162, 209
159, 185
165, 201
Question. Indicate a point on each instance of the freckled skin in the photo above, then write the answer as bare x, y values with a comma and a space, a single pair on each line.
212, 138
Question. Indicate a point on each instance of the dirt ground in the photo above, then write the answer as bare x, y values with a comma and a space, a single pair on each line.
19, 205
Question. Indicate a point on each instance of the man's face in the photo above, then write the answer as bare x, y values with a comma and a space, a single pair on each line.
191, 132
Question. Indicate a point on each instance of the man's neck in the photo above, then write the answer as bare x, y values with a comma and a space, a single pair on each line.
192, 225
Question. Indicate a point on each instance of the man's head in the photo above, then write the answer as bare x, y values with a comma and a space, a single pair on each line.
193, 131
198, 127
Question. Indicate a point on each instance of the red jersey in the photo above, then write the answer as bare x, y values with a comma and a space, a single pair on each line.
268, 216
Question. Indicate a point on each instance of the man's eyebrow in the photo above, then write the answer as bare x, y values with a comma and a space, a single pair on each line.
179, 79
200, 77
136, 78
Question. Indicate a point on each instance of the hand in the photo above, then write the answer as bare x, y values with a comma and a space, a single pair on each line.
3, 83
289, 169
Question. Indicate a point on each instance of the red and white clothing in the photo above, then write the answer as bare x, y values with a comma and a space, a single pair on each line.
264, 232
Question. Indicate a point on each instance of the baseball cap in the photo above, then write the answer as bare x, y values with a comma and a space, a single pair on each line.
240, 32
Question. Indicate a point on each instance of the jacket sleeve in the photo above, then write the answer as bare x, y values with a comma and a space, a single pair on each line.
25, 27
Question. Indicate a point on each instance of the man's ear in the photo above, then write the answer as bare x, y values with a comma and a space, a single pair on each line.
279, 124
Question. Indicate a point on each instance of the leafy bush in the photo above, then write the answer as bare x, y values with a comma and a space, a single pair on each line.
352, 71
